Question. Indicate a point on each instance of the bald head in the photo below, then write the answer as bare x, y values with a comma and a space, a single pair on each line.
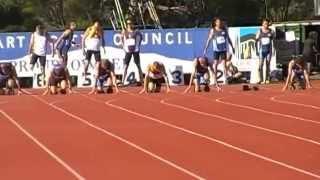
203, 61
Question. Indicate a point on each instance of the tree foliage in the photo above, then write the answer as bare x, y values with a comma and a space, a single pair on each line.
23, 15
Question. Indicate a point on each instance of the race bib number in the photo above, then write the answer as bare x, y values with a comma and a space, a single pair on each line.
221, 40
265, 41
130, 42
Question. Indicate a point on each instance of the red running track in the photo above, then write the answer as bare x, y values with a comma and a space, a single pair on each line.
228, 135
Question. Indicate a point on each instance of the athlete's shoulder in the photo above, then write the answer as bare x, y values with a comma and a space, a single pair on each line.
47, 35
68, 31
161, 64
88, 29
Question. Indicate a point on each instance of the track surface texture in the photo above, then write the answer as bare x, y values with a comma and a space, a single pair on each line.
265, 135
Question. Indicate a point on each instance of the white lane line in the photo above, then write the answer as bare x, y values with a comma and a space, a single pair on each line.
233, 121
220, 100
217, 141
4, 102
275, 99
241, 123
123, 140
43, 147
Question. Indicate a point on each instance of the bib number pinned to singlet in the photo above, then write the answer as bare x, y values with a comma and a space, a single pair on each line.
265, 41
221, 40
130, 42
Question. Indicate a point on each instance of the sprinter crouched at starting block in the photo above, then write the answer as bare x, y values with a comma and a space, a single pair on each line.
8, 79
58, 80
297, 73
156, 74
104, 75
200, 75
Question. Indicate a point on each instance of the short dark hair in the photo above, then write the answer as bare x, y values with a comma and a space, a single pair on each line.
40, 26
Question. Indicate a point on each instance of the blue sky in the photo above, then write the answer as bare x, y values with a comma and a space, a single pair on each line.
248, 30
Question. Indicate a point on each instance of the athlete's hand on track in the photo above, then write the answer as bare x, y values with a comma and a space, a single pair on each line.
142, 91
284, 89
20, 92
70, 91
168, 90
187, 90
117, 91
45, 92
92, 92
219, 89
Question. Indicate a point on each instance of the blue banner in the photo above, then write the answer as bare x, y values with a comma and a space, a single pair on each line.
174, 43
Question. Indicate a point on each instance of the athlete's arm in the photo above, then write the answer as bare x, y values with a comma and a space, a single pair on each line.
306, 77
210, 36
15, 78
69, 81
230, 42
31, 43
257, 42
165, 76
49, 39
272, 42
289, 77
114, 81
63, 35
145, 82
102, 37
122, 38
139, 39
47, 88
83, 44
103, 42
192, 76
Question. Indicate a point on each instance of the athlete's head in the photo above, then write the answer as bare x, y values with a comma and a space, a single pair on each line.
72, 25
97, 24
5, 67
203, 61
2, 65
300, 61
265, 23
40, 29
217, 22
157, 65
129, 23
105, 64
